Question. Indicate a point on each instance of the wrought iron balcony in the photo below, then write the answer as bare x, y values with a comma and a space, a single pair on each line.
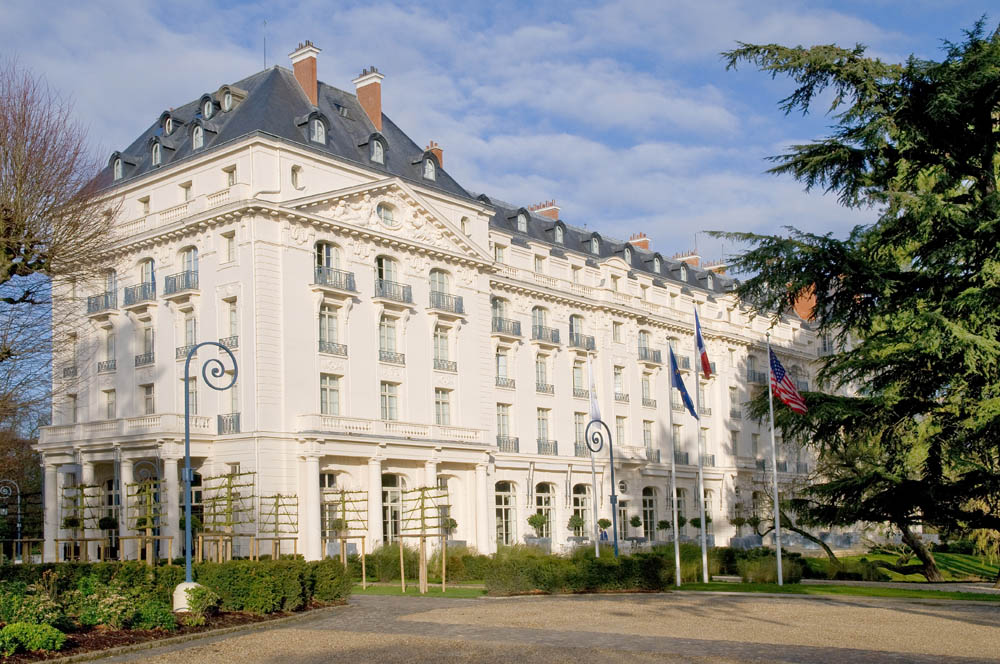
545, 388
547, 446
580, 449
760, 464
503, 381
231, 343
582, 341
391, 357
507, 326
182, 281
782, 466
650, 355
802, 467
69, 372
677, 406
332, 348
145, 292
648, 403
704, 410
447, 302
229, 423
446, 365
580, 393
708, 460
107, 366
390, 290
145, 359
181, 352
652, 455
757, 377
681, 458
548, 335
334, 278
621, 397
102, 302
508, 443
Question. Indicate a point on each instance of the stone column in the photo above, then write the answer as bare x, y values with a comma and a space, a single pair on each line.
90, 530
430, 474
128, 548
374, 503
171, 526
483, 496
62, 481
310, 525
51, 512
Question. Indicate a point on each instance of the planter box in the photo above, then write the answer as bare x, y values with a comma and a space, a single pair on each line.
543, 543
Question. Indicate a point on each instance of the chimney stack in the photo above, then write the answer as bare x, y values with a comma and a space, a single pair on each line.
304, 66
369, 91
438, 153
546, 209
640, 241
689, 257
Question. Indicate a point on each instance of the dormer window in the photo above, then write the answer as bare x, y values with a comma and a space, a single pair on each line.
118, 168
156, 154
522, 222
207, 109
197, 138
628, 255
378, 152
227, 101
709, 281
559, 235
684, 272
168, 126
656, 265
595, 246
318, 131
430, 170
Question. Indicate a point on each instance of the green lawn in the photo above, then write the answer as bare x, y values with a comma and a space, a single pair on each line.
953, 566
862, 591
413, 590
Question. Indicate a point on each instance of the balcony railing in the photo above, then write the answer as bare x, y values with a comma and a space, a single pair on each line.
334, 278
581, 393
447, 302
182, 281
145, 292
507, 326
648, 403
683, 362
621, 397
391, 290
503, 381
758, 377
736, 412
580, 449
545, 334
782, 466
145, 359
801, 385
181, 352
102, 302
760, 464
229, 423
708, 460
107, 366
677, 406
231, 343
332, 348
704, 410
802, 467
391, 357
508, 443
70, 371
582, 341
545, 388
547, 446
681, 458
650, 355
446, 365
652, 455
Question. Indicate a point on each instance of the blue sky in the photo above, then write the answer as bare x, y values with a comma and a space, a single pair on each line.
621, 111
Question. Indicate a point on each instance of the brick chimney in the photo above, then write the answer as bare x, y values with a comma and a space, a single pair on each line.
640, 241
546, 209
805, 303
438, 153
304, 66
369, 91
689, 257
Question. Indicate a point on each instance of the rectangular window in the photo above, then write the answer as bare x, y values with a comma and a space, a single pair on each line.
234, 318
703, 404
614, 282
619, 380
503, 419
616, 332
734, 440
734, 400
498, 253
620, 426
501, 359
754, 445
329, 394
578, 376
647, 434
539, 264
110, 404
387, 335
229, 239
233, 392
147, 339
192, 394
144, 204
676, 436
441, 343
230, 175
148, 399
575, 272
390, 397
541, 371
186, 192
190, 330
542, 420
647, 390
579, 427
442, 406
644, 290
109, 346
328, 332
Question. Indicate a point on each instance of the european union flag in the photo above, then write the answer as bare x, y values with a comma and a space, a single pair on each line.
679, 384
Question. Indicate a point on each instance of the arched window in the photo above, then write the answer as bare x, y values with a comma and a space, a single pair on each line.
318, 133
440, 282
656, 265
327, 256
499, 307
505, 510
684, 272
197, 138
595, 246
378, 152
189, 259
156, 154
575, 325
544, 501
559, 235
227, 101
644, 339
385, 268
118, 169
709, 281
627, 254
168, 126
522, 222
207, 109
649, 513
582, 505
430, 170
384, 211
681, 508
392, 506
539, 319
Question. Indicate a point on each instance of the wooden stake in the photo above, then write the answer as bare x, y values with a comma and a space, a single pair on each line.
364, 577
444, 561
423, 565
402, 569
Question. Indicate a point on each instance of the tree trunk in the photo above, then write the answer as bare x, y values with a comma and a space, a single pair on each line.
930, 571
787, 525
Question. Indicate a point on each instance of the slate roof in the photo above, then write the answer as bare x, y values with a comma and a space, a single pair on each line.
276, 105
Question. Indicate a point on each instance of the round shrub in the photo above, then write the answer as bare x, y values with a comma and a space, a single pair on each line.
154, 614
330, 581
16, 637
203, 601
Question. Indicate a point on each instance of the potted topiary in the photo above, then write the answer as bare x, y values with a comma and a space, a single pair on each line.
576, 524
737, 522
603, 525
636, 522
663, 526
754, 523
538, 521
107, 523
696, 522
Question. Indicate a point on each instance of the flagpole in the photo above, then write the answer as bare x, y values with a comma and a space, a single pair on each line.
774, 461
673, 471
696, 360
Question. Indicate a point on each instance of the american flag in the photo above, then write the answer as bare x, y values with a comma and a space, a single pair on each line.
784, 388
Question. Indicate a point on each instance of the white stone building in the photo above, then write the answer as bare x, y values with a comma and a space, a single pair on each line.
392, 331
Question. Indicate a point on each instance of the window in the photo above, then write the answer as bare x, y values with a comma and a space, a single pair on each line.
190, 330
575, 325
578, 376
227, 101
501, 362
755, 445
329, 394
197, 138
627, 255
387, 334
144, 203
296, 177
385, 268
559, 235
442, 406
147, 339
233, 392
390, 398
649, 513
392, 507
644, 339
503, 419
581, 507
192, 395
647, 434
505, 505
708, 511
579, 427
186, 192
647, 389
734, 401
826, 344
441, 344
619, 375
328, 480
544, 500
734, 442
230, 176
541, 371
110, 405
656, 265
384, 212
109, 346
230, 241
156, 154
620, 428
148, 399
465, 225
616, 331
207, 109
234, 318
575, 274
327, 255
118, 169
684, 272
168, 126
430, 170
676, 436
709, 281
542, 422
378, 152
498, 253
440, 282
595, 246
522, 222
539, 264
681, 503
499, 307
614, 282
328, 325
539, 318
318, 134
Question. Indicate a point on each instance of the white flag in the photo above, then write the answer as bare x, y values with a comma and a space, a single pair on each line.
595, 410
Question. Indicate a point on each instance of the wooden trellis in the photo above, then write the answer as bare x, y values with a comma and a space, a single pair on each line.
83, 502
144, 512
279, 521
425, 512
227, 505
349, 506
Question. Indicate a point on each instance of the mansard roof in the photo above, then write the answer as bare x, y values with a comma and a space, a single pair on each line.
275, 105
577, 241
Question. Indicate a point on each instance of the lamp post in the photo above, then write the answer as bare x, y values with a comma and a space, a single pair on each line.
5, 491
594, 437
215, 369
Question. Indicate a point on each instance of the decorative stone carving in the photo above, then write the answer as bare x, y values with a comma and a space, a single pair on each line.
332, 365
386, 372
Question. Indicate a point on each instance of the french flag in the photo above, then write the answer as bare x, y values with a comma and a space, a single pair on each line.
706, 366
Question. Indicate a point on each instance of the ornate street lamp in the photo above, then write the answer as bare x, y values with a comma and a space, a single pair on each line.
594, 436
5, 491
